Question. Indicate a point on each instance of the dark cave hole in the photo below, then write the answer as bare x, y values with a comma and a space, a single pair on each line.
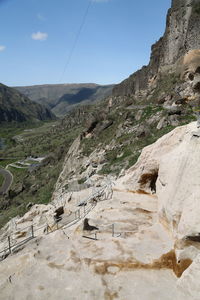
197, 70
149, 178
92, 126
197, 87
191, 76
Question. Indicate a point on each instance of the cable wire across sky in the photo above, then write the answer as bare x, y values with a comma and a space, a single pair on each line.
76, 40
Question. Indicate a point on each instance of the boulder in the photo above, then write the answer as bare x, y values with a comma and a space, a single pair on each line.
171, 167
139, 115
174, 110
173, 120
162, 123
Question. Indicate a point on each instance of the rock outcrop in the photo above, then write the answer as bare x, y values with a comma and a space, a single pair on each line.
145, 242
180, 37
169, 169
148, 231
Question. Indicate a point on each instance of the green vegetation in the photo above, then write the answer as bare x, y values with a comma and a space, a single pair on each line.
117, 130
9, 132
165, 86
81, 181
127, 156
5, 162
82, 170
1, 180
34, 185
128, 146
16, 107
150, 110
196, 8
36, 141
105, 136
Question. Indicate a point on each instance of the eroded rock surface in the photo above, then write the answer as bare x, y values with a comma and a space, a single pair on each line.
145, 238
169, 168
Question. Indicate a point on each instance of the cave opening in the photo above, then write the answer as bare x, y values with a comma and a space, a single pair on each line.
197, 87
92, 126
197, 70
149, 180
191, 76
153, 182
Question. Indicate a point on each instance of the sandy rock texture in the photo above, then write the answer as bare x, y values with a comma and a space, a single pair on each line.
146, 246
169, 169
66, 265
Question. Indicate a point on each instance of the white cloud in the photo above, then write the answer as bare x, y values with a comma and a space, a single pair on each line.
39, 36
2, 48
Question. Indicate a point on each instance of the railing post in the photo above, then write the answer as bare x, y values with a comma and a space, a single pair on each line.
95, 235
32, 231
47, 228
113, 230
9, 244
79, 214
84, 210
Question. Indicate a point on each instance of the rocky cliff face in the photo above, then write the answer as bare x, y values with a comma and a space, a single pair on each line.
181, 36
16, 107
167, 168
154, 205
154, 242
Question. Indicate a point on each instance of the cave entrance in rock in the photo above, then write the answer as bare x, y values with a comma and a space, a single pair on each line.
191, 76
197, 70
197, 86
92, 126
148, 180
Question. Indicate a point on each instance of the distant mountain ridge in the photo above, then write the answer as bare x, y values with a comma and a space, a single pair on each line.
16, 107
61, 98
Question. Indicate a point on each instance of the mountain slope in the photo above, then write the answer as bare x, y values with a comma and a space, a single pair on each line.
117, 128
63, 97
143, 229
147, 221
170, 70
16, 107
153, 101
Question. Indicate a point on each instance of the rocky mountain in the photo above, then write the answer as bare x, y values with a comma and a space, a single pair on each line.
16, 107
174, 67
61, 98
143, 226
110, 134
126, 201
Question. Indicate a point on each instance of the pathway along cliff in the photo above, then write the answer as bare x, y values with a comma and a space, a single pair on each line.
8, 178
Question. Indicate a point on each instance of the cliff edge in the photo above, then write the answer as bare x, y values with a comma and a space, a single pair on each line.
167, 55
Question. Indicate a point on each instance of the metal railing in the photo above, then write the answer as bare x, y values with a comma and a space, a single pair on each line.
112, 231
31, 232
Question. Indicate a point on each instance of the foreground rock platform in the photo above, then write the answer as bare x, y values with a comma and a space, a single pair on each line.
146, 246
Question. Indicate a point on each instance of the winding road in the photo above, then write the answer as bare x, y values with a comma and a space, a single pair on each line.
8, 179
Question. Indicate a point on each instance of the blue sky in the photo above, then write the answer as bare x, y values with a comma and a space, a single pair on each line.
37, 37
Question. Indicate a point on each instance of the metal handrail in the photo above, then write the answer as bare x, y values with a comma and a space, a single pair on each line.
45, 226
